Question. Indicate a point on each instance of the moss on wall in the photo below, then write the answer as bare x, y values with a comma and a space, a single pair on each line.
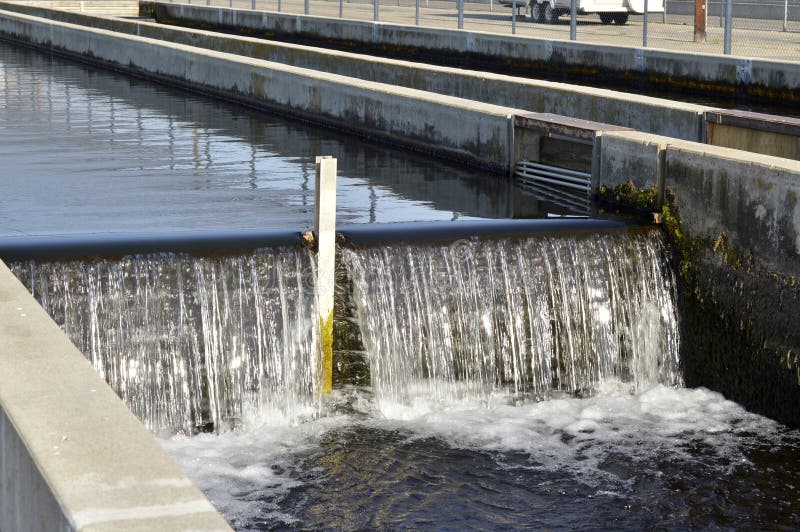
740, 323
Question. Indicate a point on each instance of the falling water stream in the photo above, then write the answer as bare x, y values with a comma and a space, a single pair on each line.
191, 343
514, 384
532, 317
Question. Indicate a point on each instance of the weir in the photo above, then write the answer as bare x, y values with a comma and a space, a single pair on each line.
522, 318
194, 343
533, 316
191, 343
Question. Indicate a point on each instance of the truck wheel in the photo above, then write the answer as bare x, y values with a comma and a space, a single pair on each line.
620, 18
537, 12
606, 18
550, 16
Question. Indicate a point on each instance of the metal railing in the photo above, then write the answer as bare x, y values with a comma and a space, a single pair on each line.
769, 28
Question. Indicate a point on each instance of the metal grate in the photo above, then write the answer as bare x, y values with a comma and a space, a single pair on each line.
531, 173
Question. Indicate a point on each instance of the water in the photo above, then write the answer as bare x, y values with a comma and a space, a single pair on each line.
520, 384
192, 343
515, 385
536, 316
114, 154
661, 458
602, 436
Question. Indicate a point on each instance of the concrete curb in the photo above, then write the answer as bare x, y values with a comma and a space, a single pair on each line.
72, 456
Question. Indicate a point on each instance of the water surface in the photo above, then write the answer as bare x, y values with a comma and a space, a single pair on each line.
85, 150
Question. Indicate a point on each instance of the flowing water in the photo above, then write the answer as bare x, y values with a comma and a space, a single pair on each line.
192, 343
533, 316
515, 384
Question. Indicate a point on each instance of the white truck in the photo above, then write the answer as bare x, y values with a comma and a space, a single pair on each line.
616, 11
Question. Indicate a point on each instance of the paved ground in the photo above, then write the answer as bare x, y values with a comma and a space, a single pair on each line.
750, 37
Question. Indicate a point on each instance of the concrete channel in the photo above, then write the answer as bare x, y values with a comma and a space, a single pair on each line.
767, 134
706, 73
732, 216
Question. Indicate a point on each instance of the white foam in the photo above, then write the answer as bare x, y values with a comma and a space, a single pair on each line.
245, 474
578, 435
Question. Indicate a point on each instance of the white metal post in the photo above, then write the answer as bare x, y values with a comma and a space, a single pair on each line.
785, 14
728, 26
644, 26
514, 16
573, 20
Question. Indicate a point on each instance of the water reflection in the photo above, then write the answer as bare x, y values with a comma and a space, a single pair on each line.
111, 153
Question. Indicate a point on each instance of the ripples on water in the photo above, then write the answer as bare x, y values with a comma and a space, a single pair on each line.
127, 155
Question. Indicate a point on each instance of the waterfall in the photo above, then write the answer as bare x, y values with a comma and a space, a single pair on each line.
192, 343
531, 317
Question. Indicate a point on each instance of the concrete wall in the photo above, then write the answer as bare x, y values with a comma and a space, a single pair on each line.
72, 456
416, 119
733, 219
758, 78
652, 115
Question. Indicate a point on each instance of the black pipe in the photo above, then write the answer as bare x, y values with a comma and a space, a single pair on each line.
109, 245
419, 232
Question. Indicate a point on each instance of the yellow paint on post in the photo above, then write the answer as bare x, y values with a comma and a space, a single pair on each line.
326, 346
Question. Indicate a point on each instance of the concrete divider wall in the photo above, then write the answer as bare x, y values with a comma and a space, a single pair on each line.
653, 115
421, 120
733, 219
72, 456
761, 78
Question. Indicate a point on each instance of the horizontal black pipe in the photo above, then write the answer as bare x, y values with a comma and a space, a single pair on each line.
108, 245
413, 232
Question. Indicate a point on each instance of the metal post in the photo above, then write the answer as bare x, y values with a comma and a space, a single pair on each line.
664, 13
573, 20
341, 8
644, 26
325, 240
252, 4
699, 20
785, 14
728, 26
460, 5
514, 17
416, 12
375, 14
279, 6
306, 7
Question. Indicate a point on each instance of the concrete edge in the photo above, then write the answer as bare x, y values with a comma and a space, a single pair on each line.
724, 74
410, 118
134, 27
72, 456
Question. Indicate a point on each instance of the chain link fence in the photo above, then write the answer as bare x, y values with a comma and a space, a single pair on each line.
769, 28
